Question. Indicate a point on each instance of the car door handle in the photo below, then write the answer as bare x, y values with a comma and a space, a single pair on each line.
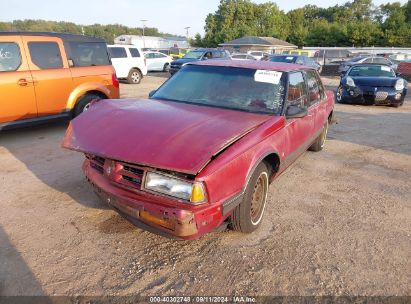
23, 82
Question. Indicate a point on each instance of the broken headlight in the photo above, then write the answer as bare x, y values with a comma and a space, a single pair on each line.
190, 191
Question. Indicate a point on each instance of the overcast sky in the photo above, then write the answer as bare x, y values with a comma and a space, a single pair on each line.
170, 16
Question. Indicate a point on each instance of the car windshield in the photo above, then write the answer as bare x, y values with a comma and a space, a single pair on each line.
243, 89
194, 55
286, 59
371, 71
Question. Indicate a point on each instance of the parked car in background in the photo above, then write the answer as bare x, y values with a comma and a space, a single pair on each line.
344, 66
331, 59
239, 56
297, 59
164, 51
198, 55
204, 149
372, 84
400, 57
258, 54
178, 53
404, 69
157, 61
50, 76
129, 62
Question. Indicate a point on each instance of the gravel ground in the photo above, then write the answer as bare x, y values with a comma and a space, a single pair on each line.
337, 222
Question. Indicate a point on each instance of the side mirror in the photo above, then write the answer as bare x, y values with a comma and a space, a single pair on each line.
151, 93
295, 111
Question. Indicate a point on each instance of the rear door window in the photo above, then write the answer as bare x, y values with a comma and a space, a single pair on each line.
117, 52
45, 55
134, 52
296, 89
88, 53
314, 91
10, 57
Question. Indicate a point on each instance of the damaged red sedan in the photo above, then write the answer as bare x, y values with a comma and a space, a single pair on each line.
202, 151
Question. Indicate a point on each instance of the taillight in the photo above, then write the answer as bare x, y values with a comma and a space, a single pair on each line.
115, 81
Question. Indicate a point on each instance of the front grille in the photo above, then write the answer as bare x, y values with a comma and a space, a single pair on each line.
96, 162
381, 96
130, 176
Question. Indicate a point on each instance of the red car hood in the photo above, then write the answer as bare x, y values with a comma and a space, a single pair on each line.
161, 134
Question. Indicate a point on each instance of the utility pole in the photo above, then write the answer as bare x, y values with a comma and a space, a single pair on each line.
144, 25
187, 28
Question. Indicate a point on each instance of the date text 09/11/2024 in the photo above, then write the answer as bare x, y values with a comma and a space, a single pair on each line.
202, 299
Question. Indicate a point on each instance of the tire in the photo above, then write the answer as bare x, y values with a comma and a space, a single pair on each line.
319, 143
84, 103
248, 216
134, 76
338, 94
166, 67
397, 105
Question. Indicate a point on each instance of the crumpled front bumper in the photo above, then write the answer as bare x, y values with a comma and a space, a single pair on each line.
150, 213
373, 95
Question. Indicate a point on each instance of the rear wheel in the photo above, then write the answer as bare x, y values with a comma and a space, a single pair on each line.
84, 103
319, 143
134, 76
248, 215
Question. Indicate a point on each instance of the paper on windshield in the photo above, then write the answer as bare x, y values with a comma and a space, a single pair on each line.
267, 76
385, 68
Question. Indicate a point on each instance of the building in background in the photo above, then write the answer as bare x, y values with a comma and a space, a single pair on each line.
252, 43
151, 42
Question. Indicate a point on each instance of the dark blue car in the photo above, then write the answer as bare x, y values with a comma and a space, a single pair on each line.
372, 84
197, 55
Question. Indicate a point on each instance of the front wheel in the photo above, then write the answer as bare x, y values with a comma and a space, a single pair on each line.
319, 143
339, 94
397, 105
166, 67
248, 215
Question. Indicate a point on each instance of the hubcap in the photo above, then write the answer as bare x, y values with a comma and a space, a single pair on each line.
135, 77
86, 107
258, 198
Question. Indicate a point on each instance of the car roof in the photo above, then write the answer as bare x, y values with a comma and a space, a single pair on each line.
207, 49
370, 64
287, 55
63, 36
255, 65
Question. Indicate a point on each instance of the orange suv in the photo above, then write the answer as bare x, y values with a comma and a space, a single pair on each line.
50, 76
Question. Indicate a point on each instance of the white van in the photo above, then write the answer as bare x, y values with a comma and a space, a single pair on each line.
128, 61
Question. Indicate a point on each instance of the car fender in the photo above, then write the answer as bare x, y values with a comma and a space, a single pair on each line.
235, 165
82, 89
